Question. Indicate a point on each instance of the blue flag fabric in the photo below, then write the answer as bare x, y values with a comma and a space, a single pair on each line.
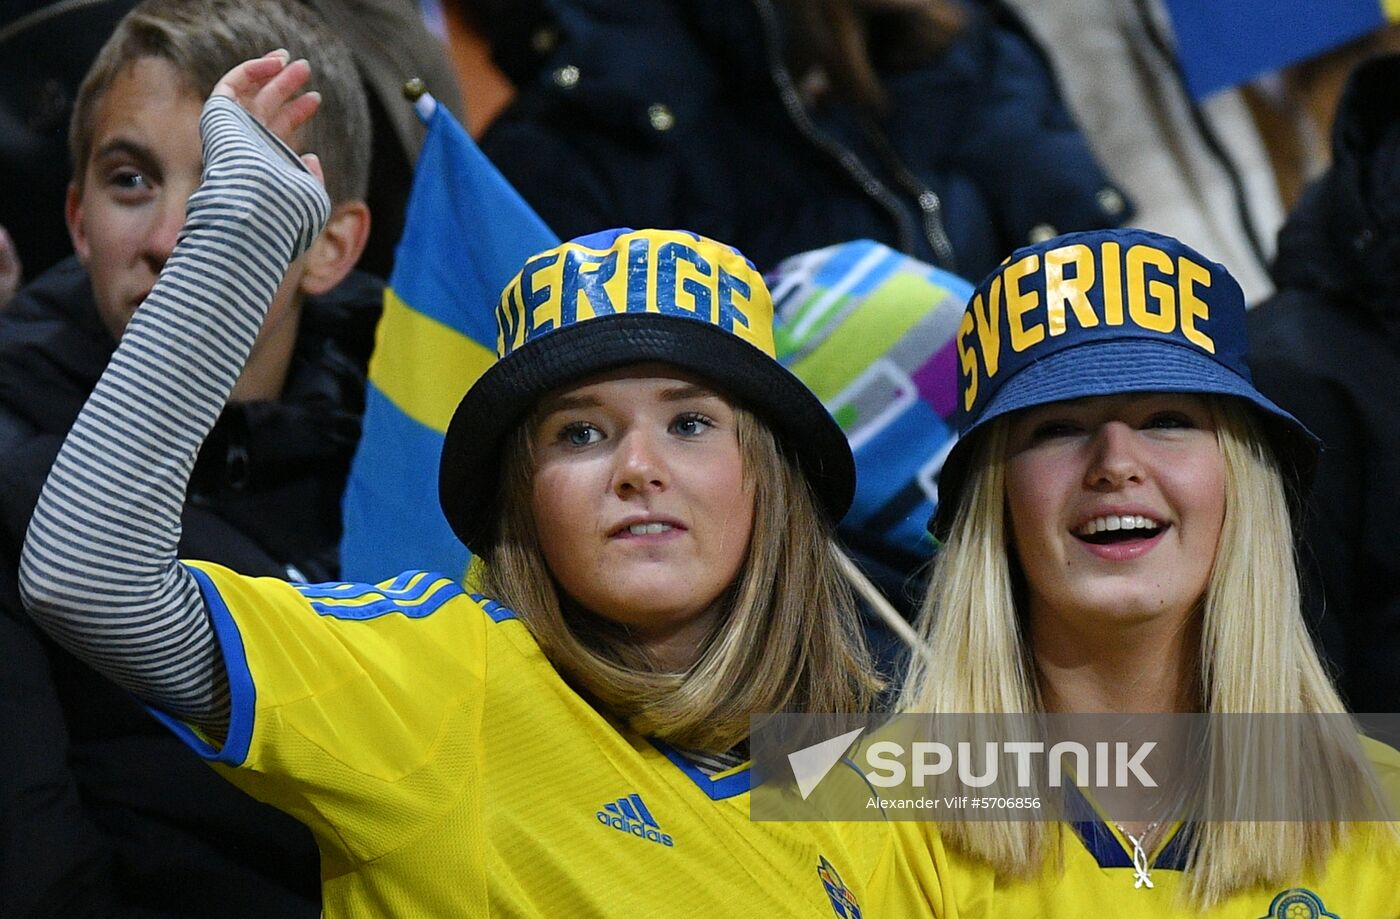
1223, 43
466, 234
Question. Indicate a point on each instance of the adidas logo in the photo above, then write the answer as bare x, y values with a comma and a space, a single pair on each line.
630, 815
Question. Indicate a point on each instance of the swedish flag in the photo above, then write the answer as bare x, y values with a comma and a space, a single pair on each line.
1224, 43
466, 233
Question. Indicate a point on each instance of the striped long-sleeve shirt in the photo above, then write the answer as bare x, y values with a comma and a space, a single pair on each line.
99, 569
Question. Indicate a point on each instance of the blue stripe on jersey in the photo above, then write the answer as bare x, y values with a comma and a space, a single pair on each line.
1102, 844
402, 586
1106, 848
1173, 857
718, 789
242, 693
415, 594
1109, 852
496, 611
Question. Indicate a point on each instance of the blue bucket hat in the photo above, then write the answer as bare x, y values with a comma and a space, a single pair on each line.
1097, 314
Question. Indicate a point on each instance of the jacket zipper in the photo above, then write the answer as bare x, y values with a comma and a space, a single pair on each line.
930, 207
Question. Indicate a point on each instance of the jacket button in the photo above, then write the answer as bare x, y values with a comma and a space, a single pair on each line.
566, 76
544, 40
1043, 231
1111, 201
661, 117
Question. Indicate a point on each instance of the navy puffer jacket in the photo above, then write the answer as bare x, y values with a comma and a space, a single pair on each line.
681, 113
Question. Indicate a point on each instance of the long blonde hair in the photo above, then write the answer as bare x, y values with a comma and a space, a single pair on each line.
789, 639
977, 659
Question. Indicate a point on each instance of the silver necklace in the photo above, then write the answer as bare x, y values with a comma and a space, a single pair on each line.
1141, 866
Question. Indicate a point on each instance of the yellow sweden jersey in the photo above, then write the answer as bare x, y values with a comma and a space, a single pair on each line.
447, 770
1097, 877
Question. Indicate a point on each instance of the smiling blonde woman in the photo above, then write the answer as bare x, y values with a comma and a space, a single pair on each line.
1116, 538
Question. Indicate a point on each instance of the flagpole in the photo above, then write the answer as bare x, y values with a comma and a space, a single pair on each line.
416, 91
871, 594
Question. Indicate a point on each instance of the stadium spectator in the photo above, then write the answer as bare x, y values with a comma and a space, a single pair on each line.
652, 495
1116, 539
152, 831
1327, 348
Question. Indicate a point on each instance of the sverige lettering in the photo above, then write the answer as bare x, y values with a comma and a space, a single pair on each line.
552, 294
1160, 295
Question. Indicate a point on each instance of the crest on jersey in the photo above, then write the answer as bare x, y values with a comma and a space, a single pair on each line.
1298, 903
843, 902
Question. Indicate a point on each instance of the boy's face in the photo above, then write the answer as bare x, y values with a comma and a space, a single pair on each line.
144, 163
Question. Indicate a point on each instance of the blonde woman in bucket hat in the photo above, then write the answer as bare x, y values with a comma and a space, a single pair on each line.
653, 498
1115, 527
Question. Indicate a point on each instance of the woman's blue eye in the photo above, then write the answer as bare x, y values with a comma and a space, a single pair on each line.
1169, 420
129, 180
691, 424
580, 434
1052, 429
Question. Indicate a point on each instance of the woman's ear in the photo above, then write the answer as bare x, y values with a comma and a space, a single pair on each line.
337, 249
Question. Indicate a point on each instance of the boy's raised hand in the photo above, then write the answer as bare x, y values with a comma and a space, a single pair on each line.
267, 88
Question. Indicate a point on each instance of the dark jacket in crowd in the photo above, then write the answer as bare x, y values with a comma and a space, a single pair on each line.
682, 113
1327, 348
104, 812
